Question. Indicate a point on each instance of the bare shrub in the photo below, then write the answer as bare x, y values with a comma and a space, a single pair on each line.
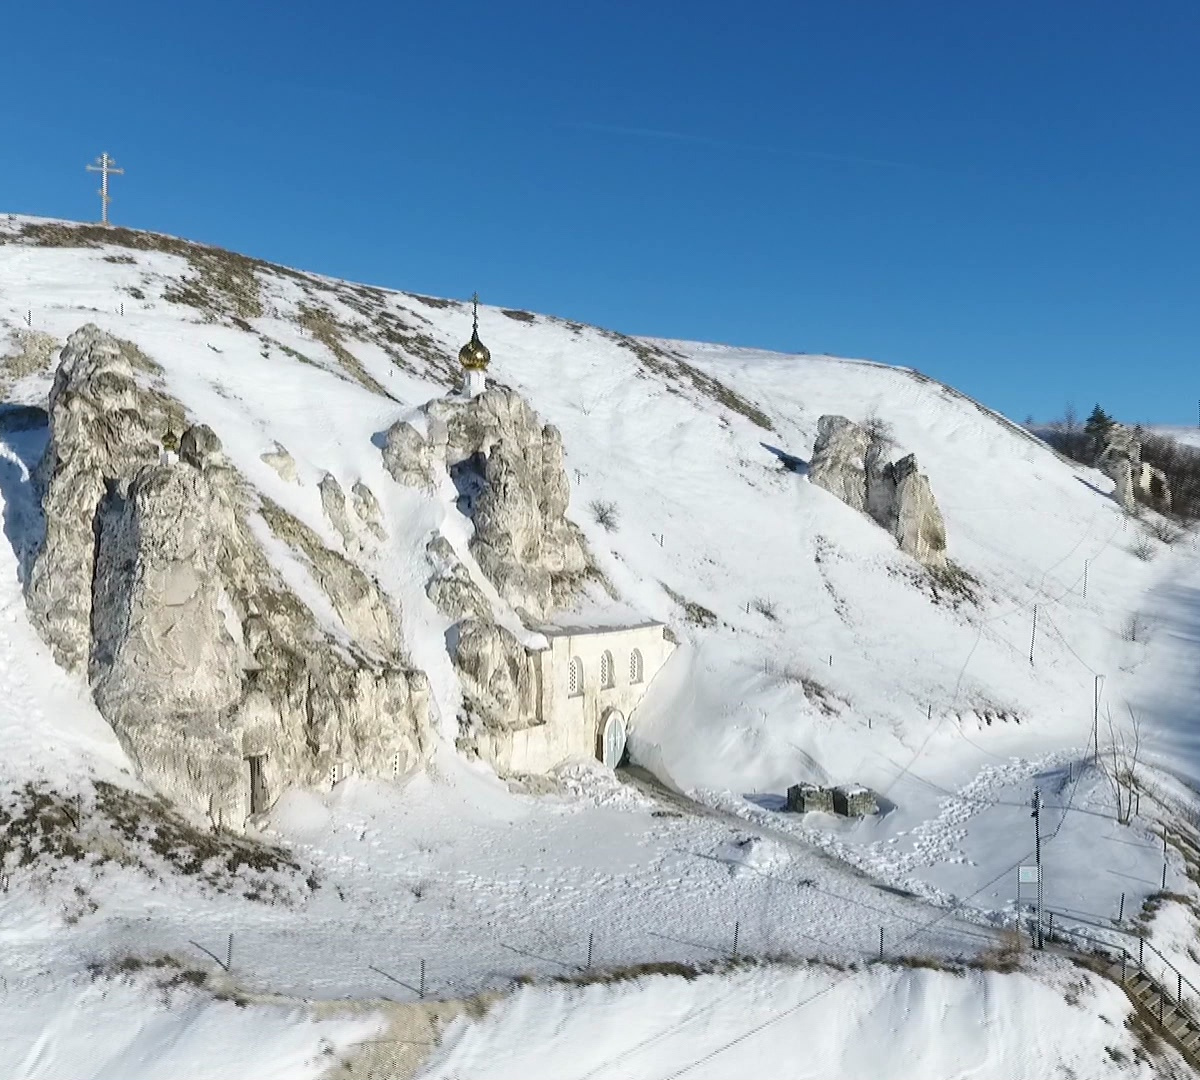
695, 613
1164, 530
1181, 465
929, 963
766, 608
605, 514
1004, 957
1136, 628
879, 429
1143, 548
829, 702
1119, 764
952, 585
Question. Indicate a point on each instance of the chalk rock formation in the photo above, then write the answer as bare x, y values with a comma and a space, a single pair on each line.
900, 500
333, 502
282, 462
451, 588
366, 508
151, 579
200, 447
509, 471
103, 425
1121, 455
497, 674
839, 460
1121, 461
408, 456
848, 463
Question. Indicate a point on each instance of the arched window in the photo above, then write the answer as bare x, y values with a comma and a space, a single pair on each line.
575, 678
606, 671
635, 666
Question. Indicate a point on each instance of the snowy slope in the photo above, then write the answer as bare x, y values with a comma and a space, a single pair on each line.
810, 646
679, 463
810, 1023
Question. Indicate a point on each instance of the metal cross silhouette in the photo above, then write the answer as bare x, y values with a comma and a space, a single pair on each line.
105, 166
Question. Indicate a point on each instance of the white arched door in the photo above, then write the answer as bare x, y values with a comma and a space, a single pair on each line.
612, 739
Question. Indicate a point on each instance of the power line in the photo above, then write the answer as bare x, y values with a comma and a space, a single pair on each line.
783, 1014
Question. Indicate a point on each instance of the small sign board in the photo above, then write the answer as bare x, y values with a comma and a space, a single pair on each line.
1027, 875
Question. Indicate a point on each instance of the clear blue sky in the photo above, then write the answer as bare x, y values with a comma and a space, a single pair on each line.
1002, 195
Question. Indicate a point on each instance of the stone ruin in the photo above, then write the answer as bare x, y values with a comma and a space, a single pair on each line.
1135, 480
850, 462
215, 676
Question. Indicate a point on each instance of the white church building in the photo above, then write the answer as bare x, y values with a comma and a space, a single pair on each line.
589, 681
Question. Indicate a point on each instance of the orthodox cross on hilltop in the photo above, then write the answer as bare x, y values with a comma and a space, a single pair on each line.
105, 166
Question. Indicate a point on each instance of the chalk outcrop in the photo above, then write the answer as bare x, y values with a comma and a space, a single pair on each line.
498, 675
282, 462
152, 578
1134, 480
509, 472
451, 588
839, 460
849, 462
408, 456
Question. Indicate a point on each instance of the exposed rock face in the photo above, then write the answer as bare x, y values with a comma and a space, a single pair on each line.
31, 351
908, 511
166, 672
200, 656
497, 673
848, 463
1121, 461
508, 468
366, 507
333, 502
366, 512
1122, 454
103, 425
451, 588
408, 456
839, 460
200, 447
282, 462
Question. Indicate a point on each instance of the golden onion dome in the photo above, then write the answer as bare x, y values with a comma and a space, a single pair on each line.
474, 355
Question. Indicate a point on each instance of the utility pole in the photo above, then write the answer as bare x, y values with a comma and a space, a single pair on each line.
1096, 721
1037, 858
106, 167
1033, 634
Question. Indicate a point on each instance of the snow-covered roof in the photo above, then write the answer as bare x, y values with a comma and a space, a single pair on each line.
598, 627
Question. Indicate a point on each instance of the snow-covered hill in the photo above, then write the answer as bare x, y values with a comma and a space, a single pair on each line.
810, 647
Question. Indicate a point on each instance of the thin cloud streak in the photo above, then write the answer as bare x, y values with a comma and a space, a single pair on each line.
729, 144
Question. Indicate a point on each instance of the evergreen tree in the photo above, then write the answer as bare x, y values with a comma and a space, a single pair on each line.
1098, 425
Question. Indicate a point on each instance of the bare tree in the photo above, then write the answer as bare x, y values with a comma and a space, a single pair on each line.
1119, 763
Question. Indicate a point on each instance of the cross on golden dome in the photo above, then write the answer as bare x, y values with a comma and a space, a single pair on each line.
474, 355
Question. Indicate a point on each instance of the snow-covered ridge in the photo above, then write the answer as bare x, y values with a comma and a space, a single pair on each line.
810, 647
702, 449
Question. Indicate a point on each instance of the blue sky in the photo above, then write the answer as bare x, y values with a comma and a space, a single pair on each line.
1003, 195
